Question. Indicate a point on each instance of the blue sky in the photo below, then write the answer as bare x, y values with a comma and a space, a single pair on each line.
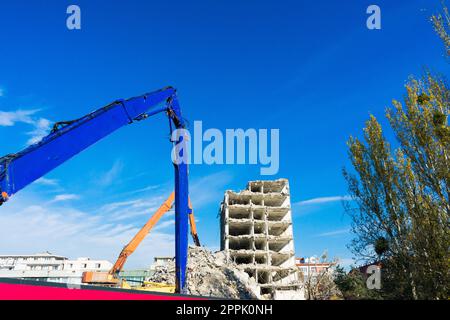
310, 68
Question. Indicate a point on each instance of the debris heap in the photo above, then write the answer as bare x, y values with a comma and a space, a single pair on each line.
208, 274
164, 274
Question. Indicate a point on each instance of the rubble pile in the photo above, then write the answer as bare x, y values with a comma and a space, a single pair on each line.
164, 274
208, 274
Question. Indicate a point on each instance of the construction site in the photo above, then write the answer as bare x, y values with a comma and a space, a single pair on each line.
220, 151
256, 258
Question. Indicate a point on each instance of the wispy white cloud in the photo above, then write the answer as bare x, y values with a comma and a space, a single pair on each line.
65, 197
132, 207
322, 200
41, 129
141, 190
115, 205
109, 176
41, 126
135, 203
334, 233
47, 182
142, 207
10, 118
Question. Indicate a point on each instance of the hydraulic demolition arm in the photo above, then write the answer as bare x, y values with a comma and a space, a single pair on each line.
69, 138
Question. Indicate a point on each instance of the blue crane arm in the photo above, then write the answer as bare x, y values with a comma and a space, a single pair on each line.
69, 138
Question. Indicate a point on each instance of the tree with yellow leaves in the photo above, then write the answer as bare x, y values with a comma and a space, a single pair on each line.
401, 205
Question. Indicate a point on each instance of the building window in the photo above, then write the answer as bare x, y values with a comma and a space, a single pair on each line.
84, 265
97, 265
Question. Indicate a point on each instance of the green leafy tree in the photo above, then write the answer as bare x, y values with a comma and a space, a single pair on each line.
441, 24
402, 195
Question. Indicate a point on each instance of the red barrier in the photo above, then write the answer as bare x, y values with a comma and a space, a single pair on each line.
13, 291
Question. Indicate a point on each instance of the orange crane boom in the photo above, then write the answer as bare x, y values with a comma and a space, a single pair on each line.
137, 239
110, 277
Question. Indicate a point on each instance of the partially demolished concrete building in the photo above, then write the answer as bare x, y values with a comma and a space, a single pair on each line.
256, 234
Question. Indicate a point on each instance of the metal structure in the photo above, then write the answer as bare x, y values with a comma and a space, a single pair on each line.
69, 138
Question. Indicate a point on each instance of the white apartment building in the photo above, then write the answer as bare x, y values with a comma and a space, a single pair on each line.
312, 267
49, 267
159, 262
